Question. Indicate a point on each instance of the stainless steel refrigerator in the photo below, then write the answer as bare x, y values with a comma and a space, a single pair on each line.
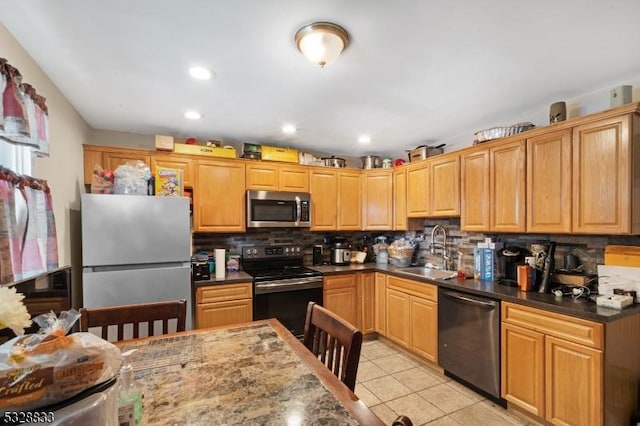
135, 249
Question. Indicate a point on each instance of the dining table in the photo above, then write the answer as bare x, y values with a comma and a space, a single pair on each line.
254, 373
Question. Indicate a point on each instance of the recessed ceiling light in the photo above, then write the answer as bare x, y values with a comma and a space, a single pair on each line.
364, 139
289, 129
200, 73
193, 115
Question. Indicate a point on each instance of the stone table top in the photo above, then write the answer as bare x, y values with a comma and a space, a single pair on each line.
254, 374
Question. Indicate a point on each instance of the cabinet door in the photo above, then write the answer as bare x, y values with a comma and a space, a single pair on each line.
444, 190
262, 176
523, 368
323, 185
506, 177
424, 327
294, 179
174, 162
474, 191
114, 159
398, 320
341, 296
573, 380
378, 198
400, 199
602, 177
380, 303
366, 295
417, 189
224, 313
219, 196
549, 182
91, 158
349, 201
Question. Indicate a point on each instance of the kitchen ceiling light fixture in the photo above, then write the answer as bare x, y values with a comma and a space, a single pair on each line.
364, 139
289, 129
321, 42
200, 73
193, 115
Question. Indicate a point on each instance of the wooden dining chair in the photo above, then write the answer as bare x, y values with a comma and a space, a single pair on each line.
334, 341
402, 421
136, 315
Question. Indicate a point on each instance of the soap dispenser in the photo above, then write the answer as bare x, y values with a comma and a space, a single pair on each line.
129, 397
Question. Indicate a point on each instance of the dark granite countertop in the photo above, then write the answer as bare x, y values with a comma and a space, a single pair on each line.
229, 278
580, 308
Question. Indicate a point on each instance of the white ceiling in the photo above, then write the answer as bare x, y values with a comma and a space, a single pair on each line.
416, 71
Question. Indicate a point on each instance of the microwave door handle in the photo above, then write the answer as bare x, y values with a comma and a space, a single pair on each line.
298, 210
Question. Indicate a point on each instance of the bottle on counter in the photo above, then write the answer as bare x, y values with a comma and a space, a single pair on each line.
460, 267
129, 398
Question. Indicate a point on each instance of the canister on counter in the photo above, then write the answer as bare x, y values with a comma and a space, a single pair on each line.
525, 277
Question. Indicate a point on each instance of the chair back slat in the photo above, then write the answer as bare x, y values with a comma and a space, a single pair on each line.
334, 341
136, 315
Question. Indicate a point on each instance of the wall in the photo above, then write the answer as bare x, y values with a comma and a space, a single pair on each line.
63, 168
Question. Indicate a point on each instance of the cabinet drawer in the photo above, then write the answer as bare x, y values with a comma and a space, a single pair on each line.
562, 326
221, 293
339, 281
428, 291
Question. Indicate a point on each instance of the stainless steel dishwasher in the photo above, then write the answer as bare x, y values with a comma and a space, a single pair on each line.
469, 340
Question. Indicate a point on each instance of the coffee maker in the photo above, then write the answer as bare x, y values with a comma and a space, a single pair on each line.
340, 251
507, 261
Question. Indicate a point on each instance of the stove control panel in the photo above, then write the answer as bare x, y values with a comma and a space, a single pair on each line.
261, 252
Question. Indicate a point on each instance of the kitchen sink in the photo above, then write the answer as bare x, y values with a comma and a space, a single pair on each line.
421, 271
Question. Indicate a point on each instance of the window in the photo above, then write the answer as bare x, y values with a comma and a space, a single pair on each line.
16, 157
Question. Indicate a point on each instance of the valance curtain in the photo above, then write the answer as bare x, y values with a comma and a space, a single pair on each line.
23, 113
28, 243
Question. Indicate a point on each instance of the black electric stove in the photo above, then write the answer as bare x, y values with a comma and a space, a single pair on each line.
282, 285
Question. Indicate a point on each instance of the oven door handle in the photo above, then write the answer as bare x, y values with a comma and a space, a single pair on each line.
287, 285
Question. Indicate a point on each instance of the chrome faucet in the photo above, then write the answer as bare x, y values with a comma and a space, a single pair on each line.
439, 229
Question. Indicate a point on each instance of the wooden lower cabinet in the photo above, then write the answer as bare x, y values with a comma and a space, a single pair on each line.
340, 296
523, 368
225, 304
573, 379
366, 294
412, 316
380, 303
398, 321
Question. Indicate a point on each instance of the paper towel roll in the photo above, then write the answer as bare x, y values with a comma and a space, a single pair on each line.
220, 263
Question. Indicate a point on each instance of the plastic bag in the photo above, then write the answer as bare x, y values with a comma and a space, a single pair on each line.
101, 181
37, 370
132, 179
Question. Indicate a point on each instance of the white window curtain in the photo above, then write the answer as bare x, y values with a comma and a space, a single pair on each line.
18, 158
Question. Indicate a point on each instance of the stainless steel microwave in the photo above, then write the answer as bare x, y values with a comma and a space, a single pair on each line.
278, 209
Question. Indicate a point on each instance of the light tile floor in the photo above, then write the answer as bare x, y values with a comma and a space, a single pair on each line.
392, 382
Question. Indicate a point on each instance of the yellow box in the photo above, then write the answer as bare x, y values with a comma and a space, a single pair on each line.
276, 153
181, 148
164, 143
169, 182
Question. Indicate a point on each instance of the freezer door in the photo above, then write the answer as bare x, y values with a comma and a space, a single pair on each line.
134, 229
124, 287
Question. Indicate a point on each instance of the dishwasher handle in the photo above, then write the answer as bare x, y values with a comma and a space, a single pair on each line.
470, 300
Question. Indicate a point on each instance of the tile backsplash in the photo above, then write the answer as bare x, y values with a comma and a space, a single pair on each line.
588, 248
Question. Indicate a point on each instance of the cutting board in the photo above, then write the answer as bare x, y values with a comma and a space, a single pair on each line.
622, 255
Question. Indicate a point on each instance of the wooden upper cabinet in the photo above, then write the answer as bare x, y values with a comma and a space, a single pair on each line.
91, 158
417, 189
400, 199
219, 196
349, 200
323, 185
294, 178
277, 177
474, 190
172, 161
444, 188
262, 176
113, 159
378, 200
604, 169
507, 187
549, 182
